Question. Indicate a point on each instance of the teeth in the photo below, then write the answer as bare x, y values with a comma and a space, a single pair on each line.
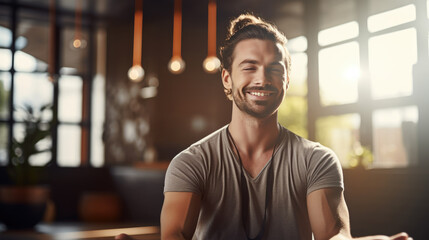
259, 94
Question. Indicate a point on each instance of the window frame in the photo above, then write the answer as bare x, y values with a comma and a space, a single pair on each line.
365, 105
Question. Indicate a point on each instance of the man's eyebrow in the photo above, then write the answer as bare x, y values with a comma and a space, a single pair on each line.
280, 63
246, 61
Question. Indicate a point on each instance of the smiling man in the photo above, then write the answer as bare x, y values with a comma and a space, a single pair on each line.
254, 179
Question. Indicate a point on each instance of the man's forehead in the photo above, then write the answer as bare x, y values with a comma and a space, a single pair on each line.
247, 48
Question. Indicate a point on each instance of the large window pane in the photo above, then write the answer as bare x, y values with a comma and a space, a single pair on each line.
33, 90
395, 137
339, 73
391, 60
6, 59
4, 94
70, 99
392, 18
3, 144
98, 102
293, 111
338, 33
98, 117
341, 134
298, 44
69, 137
27, 63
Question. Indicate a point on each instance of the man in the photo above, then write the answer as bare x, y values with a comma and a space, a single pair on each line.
254, 179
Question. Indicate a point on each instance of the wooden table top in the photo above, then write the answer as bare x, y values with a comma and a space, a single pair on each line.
76, 231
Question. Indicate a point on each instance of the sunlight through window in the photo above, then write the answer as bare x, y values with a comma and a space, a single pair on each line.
395, 137
298, 44
392, 18
339, 71
338, 33
391, 60
293, 111
32, 89
341, 134
69, 145
6, 59
70, 99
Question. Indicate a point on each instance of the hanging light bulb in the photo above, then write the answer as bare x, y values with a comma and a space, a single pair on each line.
176, 64
136, 72
78, 42
211, 64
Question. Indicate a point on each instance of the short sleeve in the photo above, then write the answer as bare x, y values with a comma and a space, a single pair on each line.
324, 170
185, 174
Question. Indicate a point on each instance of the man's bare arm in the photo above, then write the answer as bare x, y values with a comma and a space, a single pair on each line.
329, 217
179, 215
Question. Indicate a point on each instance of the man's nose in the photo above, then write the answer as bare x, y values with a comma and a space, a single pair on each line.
262, 77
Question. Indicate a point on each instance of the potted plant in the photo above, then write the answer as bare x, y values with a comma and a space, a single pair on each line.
23, 201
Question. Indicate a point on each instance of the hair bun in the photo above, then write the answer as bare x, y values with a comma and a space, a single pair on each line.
242, 21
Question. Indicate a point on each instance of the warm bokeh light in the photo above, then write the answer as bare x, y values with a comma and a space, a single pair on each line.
211, 64
79, 44
136, 73
176, 65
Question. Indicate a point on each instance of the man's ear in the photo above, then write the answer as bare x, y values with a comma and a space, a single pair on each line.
287, 82
226, 79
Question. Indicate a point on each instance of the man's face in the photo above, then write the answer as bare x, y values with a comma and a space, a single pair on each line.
258, 77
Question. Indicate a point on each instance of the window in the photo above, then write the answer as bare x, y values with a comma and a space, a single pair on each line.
392, 76
24, 51
293, 110
366, 105
341, 133
392, 18
395, 137
339, 74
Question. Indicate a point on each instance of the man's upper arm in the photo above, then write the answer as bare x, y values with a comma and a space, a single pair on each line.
328, 213
179, 215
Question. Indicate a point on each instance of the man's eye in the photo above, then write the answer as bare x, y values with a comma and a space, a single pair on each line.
276, 70
249, 68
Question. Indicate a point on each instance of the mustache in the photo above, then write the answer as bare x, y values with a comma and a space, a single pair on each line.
264, 88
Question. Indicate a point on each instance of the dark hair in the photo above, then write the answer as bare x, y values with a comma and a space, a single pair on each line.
248, 26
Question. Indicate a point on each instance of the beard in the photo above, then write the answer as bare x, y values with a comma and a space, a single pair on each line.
257, 109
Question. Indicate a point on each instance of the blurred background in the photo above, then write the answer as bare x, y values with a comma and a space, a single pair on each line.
359, 84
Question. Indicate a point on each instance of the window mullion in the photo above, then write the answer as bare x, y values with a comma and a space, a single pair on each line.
364, 86
311, 33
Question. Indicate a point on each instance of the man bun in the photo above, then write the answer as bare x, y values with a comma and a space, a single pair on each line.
242, 21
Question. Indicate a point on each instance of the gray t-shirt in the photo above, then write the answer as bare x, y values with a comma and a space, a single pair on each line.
211, 168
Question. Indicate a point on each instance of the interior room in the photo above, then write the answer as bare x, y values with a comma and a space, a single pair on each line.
98, 96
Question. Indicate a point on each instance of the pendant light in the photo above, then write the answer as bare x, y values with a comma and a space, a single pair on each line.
176, 64
211, 64
136, 72
78, 42
52, 43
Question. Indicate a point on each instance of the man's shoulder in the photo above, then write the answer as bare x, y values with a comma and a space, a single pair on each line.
295, 141
209, 143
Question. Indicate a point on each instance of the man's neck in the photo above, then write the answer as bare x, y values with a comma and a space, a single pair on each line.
253, 135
